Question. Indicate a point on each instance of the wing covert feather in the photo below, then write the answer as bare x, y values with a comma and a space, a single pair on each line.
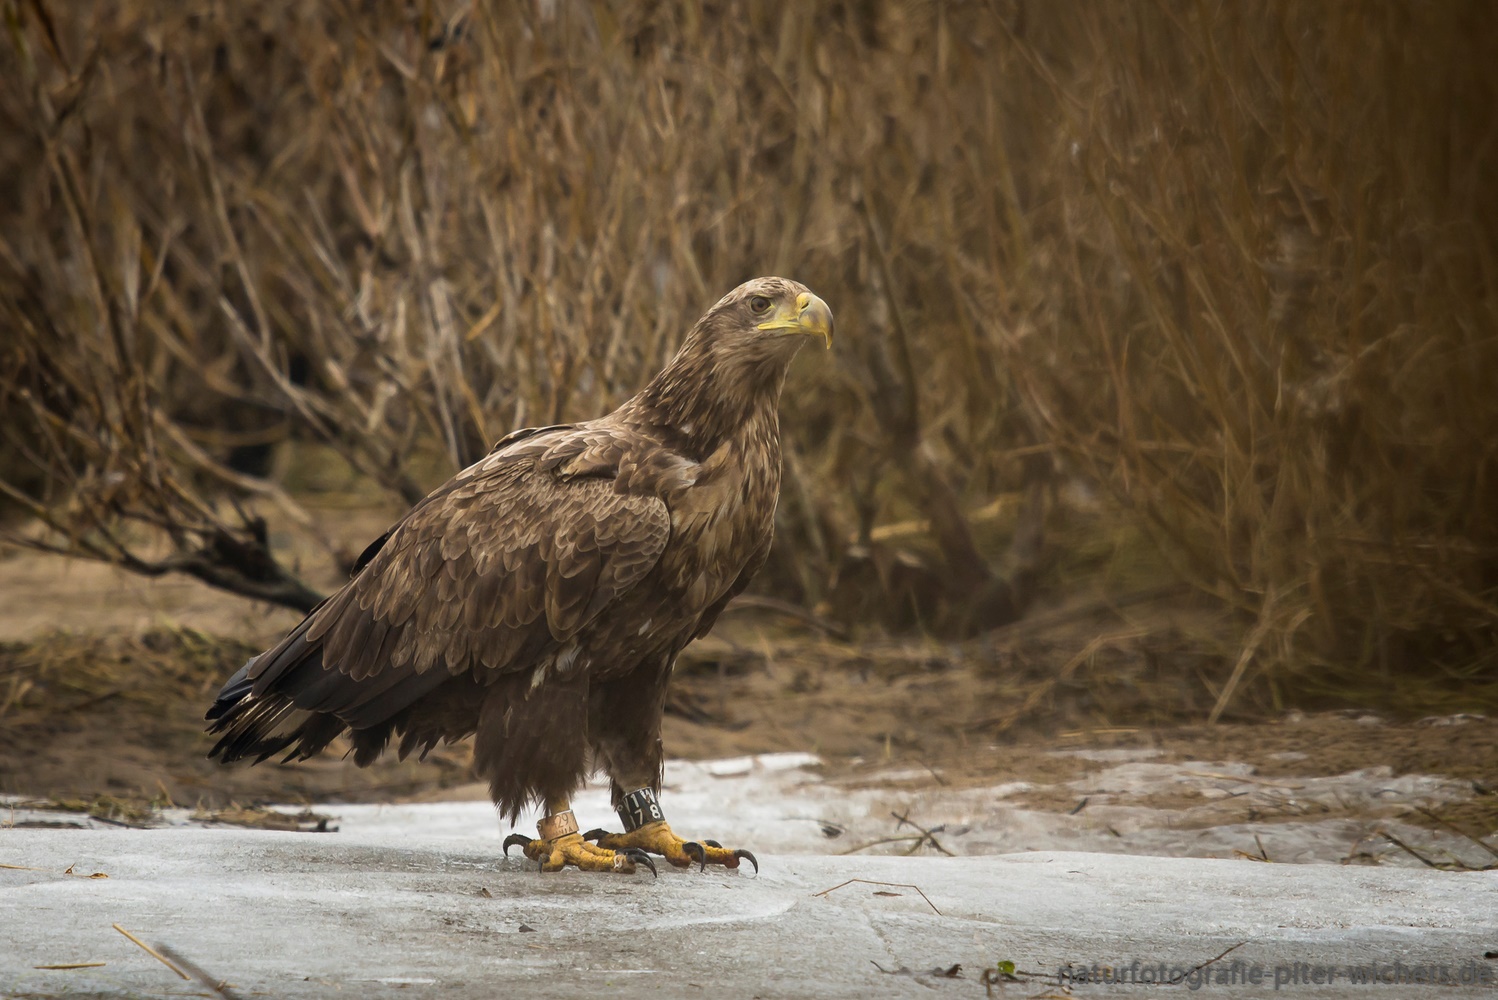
504, 562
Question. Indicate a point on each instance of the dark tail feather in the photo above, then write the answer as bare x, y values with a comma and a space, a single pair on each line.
287, 699
262, 725
234, 689
314, 735
259, 722
248, 726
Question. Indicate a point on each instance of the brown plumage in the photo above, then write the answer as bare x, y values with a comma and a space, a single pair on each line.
539, 598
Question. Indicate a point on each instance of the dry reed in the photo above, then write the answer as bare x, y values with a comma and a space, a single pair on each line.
1234, 264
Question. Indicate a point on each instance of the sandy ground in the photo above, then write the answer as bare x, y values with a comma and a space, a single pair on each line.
108, 712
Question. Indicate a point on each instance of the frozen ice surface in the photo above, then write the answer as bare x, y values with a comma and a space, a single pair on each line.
416, 900
376, 914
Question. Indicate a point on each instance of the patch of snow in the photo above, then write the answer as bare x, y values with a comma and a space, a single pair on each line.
1460, 719
783, 804
373, 914
1124, 754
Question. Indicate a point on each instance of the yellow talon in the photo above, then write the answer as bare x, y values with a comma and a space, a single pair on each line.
657, 838
572, 849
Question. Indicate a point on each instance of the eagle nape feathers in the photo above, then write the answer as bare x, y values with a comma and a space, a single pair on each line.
537, 600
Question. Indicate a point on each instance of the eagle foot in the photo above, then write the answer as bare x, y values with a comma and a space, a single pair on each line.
572, 849
657, 838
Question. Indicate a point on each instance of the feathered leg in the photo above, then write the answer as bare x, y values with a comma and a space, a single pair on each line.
532, 744
625, 727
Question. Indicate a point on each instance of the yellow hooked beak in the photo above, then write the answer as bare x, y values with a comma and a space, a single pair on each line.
811, 318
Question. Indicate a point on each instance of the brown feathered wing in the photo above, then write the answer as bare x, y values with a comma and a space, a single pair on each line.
491, 573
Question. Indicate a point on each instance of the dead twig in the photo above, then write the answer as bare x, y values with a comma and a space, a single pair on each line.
1458, 831
153, 952
927, 836
953, 971
73, 965
1443, 866
916, 840
218, 986
1263, 855
892, 885
1215, 958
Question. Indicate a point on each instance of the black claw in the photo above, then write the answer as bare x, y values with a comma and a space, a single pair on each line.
513, 839
692, 849
749, 857
595, 834
640, 857
713, 843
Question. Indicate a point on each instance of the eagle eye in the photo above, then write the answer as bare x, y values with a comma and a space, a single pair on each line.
759, 303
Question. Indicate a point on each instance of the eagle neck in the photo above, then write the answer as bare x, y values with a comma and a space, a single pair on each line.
708, 397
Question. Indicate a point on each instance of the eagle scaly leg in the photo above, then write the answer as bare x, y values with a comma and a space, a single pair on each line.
559, 845
646, 829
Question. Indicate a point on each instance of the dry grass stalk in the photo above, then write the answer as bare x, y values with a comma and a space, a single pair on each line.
152, 952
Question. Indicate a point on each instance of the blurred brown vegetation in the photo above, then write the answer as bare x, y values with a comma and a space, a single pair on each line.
1228, 268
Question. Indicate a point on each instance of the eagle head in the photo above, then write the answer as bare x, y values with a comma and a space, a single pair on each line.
733, 362
765, 312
